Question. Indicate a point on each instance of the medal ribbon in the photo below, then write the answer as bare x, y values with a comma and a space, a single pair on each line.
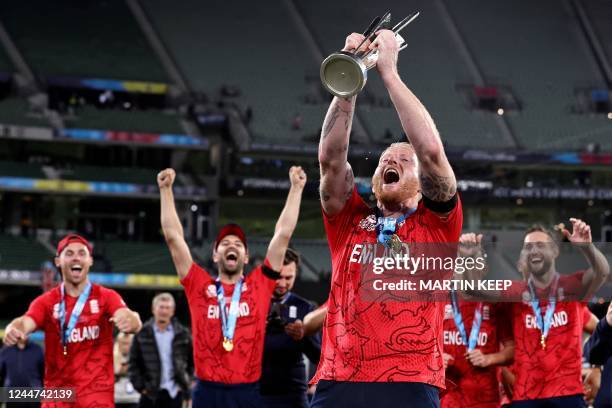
476, 322
74, 316
386, 226
545, 322
229, 319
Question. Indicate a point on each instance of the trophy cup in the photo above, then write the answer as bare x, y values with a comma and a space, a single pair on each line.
345, 73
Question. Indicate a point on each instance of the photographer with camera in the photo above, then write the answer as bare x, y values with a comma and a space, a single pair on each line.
283, 381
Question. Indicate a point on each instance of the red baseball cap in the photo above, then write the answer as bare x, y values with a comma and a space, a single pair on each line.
69, 239
231, 229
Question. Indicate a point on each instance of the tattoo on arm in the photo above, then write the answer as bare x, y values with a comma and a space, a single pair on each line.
333, 117
349, 181
438, 188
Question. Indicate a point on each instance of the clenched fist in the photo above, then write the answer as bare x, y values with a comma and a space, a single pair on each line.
13, 335
297, 176
165, 178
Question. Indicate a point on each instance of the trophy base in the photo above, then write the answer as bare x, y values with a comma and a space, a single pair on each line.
343, 74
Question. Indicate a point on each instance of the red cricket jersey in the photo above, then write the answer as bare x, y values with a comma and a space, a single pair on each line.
473, 386
556, 370
243, 363
380, 341
88, 367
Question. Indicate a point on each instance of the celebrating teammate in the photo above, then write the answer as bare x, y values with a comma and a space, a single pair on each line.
548, 332
547, 324
77, 318
473, 333
383, 353
229, 313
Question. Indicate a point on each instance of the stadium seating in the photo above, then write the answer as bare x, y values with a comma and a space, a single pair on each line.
535, 47
5, 64
22, 253
256, 47
20, 169
137, 257
94, 39
112, 173
431, 66
600, 15
16, 111
89, 117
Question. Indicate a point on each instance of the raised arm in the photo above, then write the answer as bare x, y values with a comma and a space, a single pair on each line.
599, 270
171, 224
337, 179
19, 328
287, 220
436, 175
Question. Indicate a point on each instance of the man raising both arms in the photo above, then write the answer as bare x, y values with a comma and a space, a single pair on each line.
381, 353
77, 318
228, 314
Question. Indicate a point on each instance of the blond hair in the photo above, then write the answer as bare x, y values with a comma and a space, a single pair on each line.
396, 145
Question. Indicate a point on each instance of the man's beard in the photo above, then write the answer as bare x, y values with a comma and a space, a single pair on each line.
233, 271
539, 270
389, 199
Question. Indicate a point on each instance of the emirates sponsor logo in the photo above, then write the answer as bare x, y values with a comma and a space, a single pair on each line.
243, 310
81, 334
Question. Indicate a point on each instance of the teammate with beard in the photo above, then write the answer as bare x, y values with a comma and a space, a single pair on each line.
228, 314
547, 325
548, 366
381, 353
77, 318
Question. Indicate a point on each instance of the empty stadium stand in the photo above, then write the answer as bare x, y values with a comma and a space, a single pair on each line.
22, 253
538, 50
254, 46
137, 257
16, 111
94, 39
112, 173
5, 64
89, 117
600, 15
431, 66
20, 169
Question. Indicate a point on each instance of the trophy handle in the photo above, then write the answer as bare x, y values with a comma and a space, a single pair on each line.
407, 20
373, 28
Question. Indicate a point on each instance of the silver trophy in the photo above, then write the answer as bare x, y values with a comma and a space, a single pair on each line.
344, 73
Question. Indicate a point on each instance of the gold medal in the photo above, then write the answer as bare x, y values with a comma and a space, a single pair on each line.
396, 244
228, 345
543, 342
